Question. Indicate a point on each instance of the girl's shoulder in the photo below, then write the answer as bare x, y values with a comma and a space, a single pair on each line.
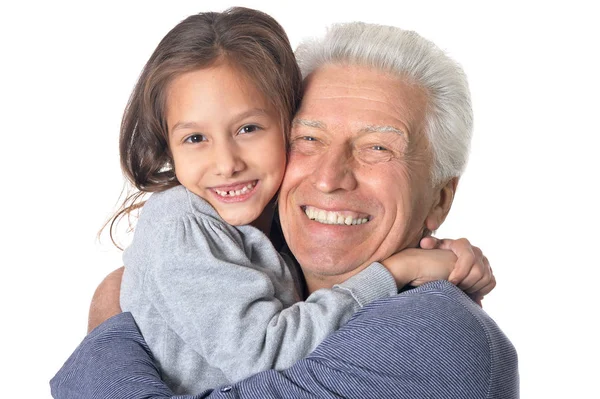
178, 203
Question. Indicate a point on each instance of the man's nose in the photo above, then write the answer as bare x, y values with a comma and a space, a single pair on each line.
335, 171
227, 159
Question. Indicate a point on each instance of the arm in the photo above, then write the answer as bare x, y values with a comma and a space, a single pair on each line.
229, 296
113, 361
105, 302
457, 261
429, 342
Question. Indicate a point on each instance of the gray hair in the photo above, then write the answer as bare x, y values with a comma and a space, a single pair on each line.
449, 117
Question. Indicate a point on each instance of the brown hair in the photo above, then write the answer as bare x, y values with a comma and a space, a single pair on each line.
249, 40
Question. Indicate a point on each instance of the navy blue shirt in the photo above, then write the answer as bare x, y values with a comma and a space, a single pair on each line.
429, 342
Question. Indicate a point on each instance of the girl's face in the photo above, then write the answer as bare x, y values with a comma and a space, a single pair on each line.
226, 140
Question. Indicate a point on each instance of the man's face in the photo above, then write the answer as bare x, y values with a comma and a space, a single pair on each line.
357, 186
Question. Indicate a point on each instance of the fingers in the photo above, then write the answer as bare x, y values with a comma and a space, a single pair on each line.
480, 280
467, 262
429, 242
472, 272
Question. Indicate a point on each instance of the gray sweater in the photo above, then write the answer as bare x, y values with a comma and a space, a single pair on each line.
217, 303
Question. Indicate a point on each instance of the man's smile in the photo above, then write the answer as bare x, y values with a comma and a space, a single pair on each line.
335, 217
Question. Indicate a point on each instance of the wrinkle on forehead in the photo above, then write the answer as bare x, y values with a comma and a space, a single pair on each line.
400, 98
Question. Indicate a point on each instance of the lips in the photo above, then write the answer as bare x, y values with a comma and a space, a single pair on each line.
235, 193
234, 190
347, 218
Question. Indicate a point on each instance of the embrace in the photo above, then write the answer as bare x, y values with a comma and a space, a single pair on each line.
285, 250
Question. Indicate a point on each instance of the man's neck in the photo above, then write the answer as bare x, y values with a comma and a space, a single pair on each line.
316, 281
265, 220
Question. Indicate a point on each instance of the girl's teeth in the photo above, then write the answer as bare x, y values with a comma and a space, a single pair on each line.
233, 193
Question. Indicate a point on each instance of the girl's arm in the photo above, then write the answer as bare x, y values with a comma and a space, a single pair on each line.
226, 293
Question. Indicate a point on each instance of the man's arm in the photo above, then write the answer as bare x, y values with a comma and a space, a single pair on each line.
429, 342
105, 302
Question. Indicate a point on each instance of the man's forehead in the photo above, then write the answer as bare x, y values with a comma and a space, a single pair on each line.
369, 99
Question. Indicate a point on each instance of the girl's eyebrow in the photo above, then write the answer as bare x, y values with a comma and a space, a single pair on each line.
184, 125
246, 114
249, 113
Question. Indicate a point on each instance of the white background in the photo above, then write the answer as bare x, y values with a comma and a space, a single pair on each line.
528, 198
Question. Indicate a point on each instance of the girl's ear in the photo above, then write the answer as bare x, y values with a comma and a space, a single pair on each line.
441, 205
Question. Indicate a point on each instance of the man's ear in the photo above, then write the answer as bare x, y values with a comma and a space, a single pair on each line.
441, 205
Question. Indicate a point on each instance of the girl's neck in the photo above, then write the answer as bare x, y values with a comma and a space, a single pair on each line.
265, 220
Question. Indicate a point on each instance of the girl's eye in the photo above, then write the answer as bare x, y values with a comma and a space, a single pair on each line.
195, 138
248, 129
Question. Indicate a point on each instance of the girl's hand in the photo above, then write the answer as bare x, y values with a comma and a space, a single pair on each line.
472, 272
454, 260
416, 267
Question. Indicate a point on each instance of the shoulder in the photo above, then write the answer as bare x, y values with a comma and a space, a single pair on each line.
176, 218
435, 333
174, 202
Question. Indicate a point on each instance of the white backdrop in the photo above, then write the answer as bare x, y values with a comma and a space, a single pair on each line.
527, 198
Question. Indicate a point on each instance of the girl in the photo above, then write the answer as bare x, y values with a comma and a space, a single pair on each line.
205, 131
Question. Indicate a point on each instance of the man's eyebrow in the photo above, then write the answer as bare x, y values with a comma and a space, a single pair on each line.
382, 129
309, 123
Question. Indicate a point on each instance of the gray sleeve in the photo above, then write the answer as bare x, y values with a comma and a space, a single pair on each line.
229, 310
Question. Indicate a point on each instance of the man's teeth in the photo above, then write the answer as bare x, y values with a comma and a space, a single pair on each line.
234, 193
327, 217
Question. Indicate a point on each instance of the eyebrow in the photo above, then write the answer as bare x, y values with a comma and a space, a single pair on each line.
382, 129
236, 119
368, 129
309, 123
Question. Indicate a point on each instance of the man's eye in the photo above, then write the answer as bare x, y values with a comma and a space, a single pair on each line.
307, 145
375, 153
195, 138
248, 129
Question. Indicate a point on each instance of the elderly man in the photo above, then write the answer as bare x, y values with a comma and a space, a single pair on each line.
382, 134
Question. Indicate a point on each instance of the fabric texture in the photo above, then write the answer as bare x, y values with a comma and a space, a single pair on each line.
428, 342
217, 303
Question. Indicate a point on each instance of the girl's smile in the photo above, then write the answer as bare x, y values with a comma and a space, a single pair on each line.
227, 141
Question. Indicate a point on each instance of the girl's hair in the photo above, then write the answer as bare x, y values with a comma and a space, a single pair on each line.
250, 41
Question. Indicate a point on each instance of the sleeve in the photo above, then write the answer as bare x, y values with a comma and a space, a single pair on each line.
113, 361
233, 312
407, 346
433, 343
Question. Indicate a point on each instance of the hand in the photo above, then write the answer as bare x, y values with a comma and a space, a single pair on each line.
105, 302
416, 267
472, 272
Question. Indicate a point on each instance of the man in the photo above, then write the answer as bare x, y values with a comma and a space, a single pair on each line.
382, 134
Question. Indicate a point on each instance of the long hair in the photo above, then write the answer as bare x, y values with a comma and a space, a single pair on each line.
250, 41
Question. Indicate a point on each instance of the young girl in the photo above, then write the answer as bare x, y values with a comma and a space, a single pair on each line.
205, 131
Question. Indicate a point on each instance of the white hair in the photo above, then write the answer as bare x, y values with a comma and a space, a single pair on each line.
449, 117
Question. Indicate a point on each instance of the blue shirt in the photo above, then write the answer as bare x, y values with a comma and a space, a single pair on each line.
428, 342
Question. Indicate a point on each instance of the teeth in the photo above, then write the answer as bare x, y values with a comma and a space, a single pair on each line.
234, 193
337, 218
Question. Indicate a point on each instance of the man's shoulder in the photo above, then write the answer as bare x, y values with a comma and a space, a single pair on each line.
434, 333
441, 313
438, 300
